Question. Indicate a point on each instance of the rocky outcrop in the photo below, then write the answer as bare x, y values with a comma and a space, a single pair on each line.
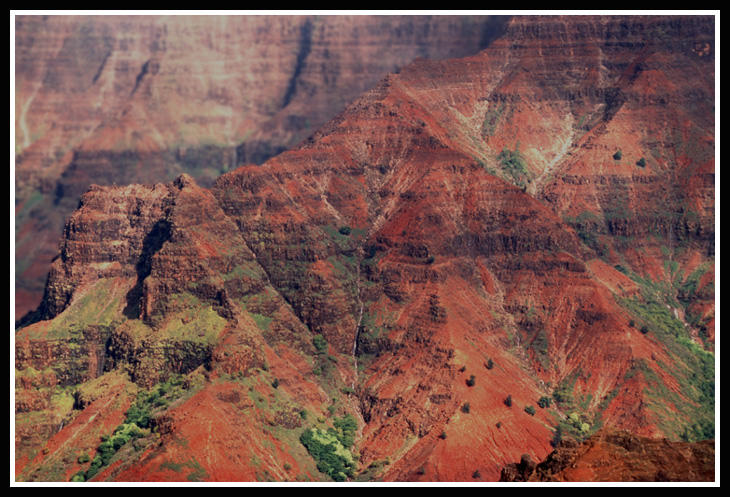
619, 457
141, 99
414, 257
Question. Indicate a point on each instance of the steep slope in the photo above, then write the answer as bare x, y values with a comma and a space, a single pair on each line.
140, 99
617, 457
401, 267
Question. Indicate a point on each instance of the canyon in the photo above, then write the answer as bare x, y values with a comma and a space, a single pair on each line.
141, 99
483, 257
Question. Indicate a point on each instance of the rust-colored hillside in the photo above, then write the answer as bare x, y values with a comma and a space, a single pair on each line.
619, 457
476, 258
141, 99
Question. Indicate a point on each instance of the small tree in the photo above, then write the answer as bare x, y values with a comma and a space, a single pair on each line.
489, 364
443, 435
544, 402
530, 410
470, 382
476, 474
644, 329
466, 408
617, 155
508, 401
320, 343
345, 230
641, 162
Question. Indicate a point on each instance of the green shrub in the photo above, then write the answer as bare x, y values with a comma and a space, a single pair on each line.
644, 329
430, 259
514, 164
530, 410
138, 414
471, 381
489, 364
96, 465
508, 401
443, 435
345, 230
83, 458
617, 155
466, 408
641, 162
476, 474
544, 402
332, 458
320, 343
275, 383
347, 428
80, 476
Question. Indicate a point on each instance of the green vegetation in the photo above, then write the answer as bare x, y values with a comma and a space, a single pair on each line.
641, 162
508, 401
136, 424
106, 450
466, 408
530, 410
79, 476
330, 448
471, 381
320, 343
489, 364
544, 402
491, 119
345, 230
617, 155
514, 164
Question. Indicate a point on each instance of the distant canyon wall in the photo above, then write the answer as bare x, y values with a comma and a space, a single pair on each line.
141, 99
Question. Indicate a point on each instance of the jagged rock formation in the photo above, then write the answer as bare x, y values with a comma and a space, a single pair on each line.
619, 457
140, 99
413, 264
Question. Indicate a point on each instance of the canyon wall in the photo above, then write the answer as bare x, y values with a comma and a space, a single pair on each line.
141, 99
460, 260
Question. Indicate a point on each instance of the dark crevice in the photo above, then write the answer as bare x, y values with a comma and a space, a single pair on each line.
101, 68
140, 76
305, 46
152, 243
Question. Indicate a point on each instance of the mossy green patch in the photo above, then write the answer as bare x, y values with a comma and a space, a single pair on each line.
100, 305
513, 163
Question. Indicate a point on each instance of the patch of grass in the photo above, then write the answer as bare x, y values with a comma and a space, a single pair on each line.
513, 163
